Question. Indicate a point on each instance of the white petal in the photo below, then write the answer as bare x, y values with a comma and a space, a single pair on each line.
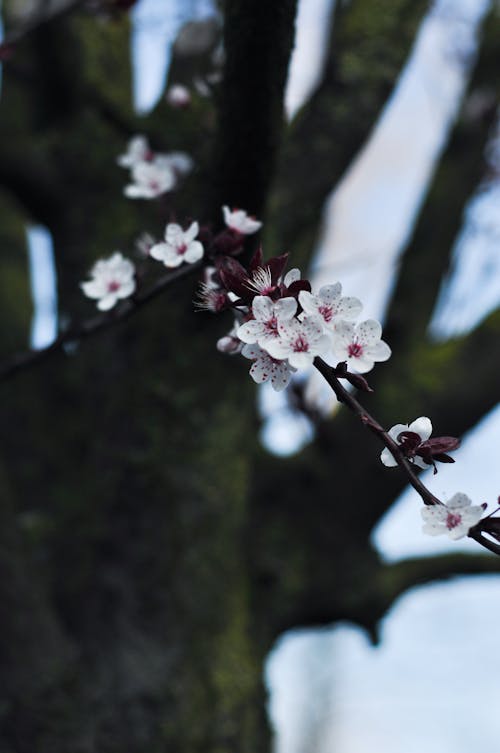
379, 352
278, 348
369, 332
194, 252
262, 308
191, 232
292, 276
93, 288
459, 501
174, 235
343, 333
396, 430
159, 251
309, 302
107, 302
350, 308
387, 458
250, 331
421, 426
280, 376
252, 351
126, 289
330, 294
301, 360
432, 529
285, 308
312, 327
260, 371
362, 364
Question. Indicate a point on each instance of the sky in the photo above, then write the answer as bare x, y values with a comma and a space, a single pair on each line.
425, 688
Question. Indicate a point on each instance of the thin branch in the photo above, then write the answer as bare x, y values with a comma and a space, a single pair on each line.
96, 324
345, 397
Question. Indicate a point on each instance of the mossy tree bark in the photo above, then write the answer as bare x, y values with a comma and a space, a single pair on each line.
151, 551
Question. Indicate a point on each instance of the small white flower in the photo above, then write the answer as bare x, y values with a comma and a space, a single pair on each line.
264, 326
179, 246
265, 368
138, 150
299, 342
421, 426
150, 179
239, 221
112, 279
454, 518
230, 343
360, 346
329, 304
178, 96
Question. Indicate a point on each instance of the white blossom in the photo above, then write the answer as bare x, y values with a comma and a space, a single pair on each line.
112, 279
151, 179
454, 518
178, 96
230, 343
329, 304
421, 426
138, 150
264, 326
239, 221
299, 342
179, 246
360, 346
265, 368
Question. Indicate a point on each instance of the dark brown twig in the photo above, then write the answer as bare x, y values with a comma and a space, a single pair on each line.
345, 397
94, 325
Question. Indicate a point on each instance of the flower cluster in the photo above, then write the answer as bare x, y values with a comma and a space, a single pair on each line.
280, 324
152, 174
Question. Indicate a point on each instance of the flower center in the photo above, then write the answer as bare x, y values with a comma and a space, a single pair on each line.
181, 250
355, 350
154, 185
300, 345
113, 286
326, 312
272, 326
452, 521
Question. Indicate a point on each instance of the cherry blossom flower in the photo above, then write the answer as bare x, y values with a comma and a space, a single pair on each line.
112, 279
239, 221
178, 96
360, 346
138, 150
265, 368
329, 304
264, 326
417, 447
150, 179
421, 426
299, 342
455, 518
179, 246
230, 343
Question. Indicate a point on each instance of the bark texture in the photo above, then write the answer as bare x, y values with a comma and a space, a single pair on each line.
151, 551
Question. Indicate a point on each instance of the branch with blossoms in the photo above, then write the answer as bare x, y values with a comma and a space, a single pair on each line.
279, 324
283, 327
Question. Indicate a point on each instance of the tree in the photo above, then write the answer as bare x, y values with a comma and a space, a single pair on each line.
152, 551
